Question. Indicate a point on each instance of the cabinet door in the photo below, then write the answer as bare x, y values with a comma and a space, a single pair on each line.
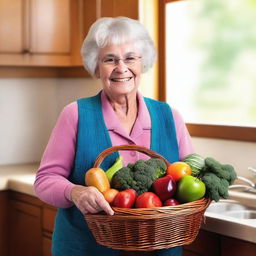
46, 33
49, 214
235, 247
47, 245
206, 244
50, 22
114, 8
3, 222
11, 26
25, 235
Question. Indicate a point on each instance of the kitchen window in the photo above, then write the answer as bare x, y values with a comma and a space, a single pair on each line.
209, 72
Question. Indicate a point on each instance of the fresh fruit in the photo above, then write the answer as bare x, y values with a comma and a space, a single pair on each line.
171, 202
164, 187
196, 162
148, 200
118, 164
189, 189
178, 170
125, 198
97, 177
110, 195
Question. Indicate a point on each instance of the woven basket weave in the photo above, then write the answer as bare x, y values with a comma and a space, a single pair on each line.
146, 229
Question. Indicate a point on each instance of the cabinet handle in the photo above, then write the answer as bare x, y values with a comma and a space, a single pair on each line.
25, 51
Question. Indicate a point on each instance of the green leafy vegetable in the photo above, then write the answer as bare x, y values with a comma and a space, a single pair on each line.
196, 162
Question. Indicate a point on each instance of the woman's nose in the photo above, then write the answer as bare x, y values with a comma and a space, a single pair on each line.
121, 66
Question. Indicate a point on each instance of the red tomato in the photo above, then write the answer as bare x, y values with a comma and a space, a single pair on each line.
148, 200
178, 170
125, 198
171, 202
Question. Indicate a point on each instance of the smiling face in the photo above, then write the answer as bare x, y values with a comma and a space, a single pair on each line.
119, 69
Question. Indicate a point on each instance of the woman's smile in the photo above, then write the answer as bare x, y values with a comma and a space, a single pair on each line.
118, 80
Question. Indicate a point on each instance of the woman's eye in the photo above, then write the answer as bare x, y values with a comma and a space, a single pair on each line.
109, 60
129, 59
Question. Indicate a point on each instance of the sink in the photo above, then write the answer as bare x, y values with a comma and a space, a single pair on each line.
232, 209
234, 218
244, 214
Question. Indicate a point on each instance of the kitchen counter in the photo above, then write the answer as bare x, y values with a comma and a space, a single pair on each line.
21, 178
18, 177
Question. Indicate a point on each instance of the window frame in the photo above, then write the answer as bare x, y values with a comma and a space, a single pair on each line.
229, 132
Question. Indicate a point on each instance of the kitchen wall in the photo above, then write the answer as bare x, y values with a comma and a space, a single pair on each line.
28, 111
29, 108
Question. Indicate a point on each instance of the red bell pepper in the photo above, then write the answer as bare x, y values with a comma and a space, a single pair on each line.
164, 187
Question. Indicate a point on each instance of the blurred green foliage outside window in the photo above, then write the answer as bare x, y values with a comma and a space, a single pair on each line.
211, 60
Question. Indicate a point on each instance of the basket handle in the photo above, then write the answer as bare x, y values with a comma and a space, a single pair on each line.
113, 149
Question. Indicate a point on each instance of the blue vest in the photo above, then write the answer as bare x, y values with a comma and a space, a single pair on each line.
71, 235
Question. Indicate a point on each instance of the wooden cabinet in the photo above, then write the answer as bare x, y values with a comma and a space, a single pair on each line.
41, 34
30, 224
47, 246
25, 232
3, 222
114, 8
48, 217
235, 247
212, 244
206, 243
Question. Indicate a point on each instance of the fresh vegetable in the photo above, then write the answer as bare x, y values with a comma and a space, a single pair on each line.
118, 164
164, 187
110, 195
171, 202
190, 189
217, 178
97, 177
223, 171
196, 162
139, 175
148, 200
125, 198
178, 170
216, 187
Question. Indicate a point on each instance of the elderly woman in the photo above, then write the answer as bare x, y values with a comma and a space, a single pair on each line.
116, 51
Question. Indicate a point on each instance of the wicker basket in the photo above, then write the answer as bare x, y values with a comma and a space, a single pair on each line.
147, 229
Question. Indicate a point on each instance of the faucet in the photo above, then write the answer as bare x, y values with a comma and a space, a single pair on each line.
252, 169
249, 186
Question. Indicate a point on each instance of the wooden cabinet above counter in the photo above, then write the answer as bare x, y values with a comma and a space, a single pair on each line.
44, 37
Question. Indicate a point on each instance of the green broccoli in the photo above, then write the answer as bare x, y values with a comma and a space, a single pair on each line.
212, 183
215, 187
217, 178
224, 171
159, 166
139, 175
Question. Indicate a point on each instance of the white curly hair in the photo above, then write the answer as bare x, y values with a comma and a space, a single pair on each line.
116, 31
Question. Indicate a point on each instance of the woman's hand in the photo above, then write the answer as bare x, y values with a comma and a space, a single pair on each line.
89, 200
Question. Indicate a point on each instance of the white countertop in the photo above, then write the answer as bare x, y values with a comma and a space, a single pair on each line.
19, 177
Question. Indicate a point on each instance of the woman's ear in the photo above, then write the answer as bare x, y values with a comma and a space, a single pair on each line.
97, 72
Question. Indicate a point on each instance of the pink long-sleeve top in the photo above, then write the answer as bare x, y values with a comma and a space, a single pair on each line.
52, 184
